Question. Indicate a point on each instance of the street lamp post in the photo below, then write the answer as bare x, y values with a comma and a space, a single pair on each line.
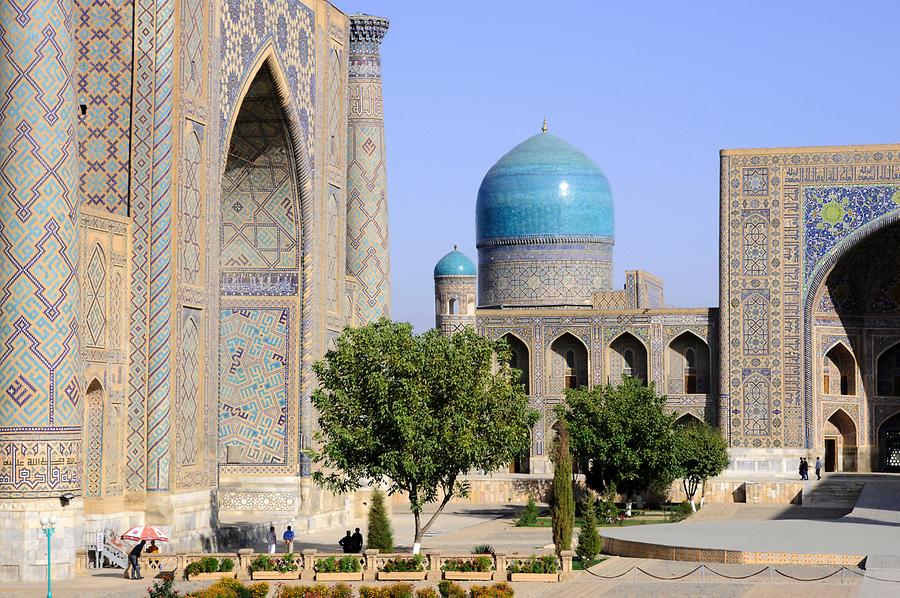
47, 524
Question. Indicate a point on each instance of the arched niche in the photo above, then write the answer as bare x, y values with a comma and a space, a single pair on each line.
839, 438
688, 365
627, 358
688, 419
889, 444
519, 359
887, 371
94, 439
839, 371
568, 360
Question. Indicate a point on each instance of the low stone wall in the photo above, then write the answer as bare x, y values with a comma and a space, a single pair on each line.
646, 550
372, 561
779, 492
511, 489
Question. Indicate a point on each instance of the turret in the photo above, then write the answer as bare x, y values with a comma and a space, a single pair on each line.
454, 292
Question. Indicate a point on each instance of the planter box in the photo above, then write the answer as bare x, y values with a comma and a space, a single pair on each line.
357, 576
469, 575
216, 575
402, 576
273, 575
534, 577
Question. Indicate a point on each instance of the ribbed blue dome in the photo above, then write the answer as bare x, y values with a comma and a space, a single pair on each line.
544, 187
454, 263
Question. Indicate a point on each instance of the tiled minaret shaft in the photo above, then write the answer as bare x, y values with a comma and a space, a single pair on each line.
40, 397
368, 251
41, 401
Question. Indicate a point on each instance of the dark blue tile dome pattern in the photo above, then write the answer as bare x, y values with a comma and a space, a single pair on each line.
544, 188
454, 263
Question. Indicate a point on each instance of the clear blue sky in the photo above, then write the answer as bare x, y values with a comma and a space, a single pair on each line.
650, 90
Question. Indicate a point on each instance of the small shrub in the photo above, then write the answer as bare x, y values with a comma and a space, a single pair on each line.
262, 563
401, 565
226, 565
607, 511
483, 549
163, 588
370, 592
381, 536
347, 564
232, 588
316, 591
426, 593
589, 544
399, 590
450, 589
542, 564
341, 590
209, 564
479, 564
529, 516
497, 590
286, 563
192, 569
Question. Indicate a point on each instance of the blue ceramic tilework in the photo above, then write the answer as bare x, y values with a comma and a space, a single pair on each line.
544, 187
455, 263
832, 213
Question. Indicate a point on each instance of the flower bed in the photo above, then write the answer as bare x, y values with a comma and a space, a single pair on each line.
400, 569
477, 568
544, 568
210, 568
266, 567
347, 568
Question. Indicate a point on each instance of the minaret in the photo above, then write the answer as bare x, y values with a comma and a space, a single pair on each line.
41, 402
368, 252
454, 292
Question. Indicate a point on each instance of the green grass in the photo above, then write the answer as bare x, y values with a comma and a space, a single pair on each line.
577, 565
643, 518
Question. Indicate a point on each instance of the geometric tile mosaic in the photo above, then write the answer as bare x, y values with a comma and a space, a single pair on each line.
254, 379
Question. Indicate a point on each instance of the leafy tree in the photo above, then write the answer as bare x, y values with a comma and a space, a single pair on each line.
416, 412
702, 454
589, 545
381, 536
562, 500
621, 436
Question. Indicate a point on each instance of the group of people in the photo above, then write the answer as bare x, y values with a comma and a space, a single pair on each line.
804, 468
350, 543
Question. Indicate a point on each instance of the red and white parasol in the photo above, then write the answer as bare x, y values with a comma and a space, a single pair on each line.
145, 532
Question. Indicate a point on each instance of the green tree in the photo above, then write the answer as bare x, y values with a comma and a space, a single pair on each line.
621, 436
589, 545
701, 454
416, 413
562, 498
381, 536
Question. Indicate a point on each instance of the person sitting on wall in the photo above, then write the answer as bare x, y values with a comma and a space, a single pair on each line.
152, 548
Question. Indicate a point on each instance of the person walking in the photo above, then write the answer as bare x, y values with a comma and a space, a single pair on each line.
288, 538
272, 540
346, 542
818, 468
804, 469
134, 560
357, 541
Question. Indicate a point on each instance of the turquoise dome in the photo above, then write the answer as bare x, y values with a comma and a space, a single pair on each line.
544, 188
454, 263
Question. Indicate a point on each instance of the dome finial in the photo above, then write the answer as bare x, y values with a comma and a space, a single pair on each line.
454, 247
544, 126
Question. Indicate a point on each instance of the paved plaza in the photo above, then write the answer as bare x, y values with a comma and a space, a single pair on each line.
459, 529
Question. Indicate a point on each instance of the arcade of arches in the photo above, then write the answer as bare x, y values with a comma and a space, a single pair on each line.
856, 375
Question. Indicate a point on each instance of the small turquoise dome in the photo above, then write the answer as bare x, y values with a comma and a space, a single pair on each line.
454, 263
544, 187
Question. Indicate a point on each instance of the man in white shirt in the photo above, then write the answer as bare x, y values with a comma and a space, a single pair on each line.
272, 540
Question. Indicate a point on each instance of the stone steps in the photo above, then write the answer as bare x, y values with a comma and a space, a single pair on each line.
832, 492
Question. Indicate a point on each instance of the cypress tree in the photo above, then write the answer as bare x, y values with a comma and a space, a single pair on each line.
380, 534
588, 539
562, 508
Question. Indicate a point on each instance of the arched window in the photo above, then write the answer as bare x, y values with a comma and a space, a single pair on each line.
518, 358
888, 372
839, 371
628, 368
571, 374
453, 306
690, 372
